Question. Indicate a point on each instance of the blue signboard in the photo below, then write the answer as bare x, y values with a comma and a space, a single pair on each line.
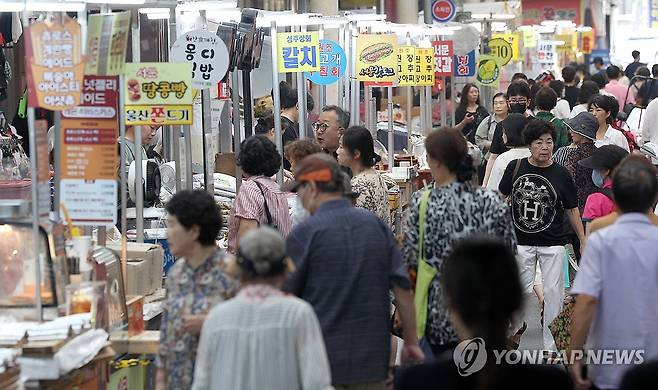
333, 63
465, 65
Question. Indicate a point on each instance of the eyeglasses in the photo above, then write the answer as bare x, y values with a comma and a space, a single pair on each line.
320, 127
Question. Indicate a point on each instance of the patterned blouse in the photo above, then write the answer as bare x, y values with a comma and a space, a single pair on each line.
373, 194
189, 292
582, 176
454, 212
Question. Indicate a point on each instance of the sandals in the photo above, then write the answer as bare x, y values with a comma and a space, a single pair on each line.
513, 345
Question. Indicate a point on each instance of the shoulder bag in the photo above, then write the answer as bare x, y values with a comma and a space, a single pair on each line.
268, 215
425, 273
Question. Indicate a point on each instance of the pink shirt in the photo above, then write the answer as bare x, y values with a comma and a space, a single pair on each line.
598, 205
619, 92
250, 204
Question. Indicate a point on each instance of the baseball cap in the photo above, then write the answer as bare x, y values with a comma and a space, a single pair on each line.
597, 60
584, 124
605, 157
318, 168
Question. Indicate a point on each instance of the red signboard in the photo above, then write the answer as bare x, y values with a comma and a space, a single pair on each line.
537, 11
443, 58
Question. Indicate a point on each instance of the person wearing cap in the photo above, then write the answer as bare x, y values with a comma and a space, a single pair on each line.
513, 127
583, 133
346, 261
598, 65
259, 201
602, 162
262, 338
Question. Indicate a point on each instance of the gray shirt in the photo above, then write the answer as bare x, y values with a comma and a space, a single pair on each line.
620, 269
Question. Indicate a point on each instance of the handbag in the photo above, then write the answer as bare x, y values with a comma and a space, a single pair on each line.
268, 215
516, 170
560, 327
425, 273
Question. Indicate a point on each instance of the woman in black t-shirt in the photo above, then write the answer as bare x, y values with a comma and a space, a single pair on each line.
470, 113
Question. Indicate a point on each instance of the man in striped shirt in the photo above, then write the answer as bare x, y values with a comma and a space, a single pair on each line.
347, 260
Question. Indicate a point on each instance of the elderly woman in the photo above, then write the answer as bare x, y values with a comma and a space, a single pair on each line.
263, 338
260, 201
195, 284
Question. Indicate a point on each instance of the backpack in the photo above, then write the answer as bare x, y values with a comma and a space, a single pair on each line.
630, 137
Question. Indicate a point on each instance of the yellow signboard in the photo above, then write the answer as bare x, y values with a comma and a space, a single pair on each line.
406, 67
586, 42
529, 38
375, 58
107, 40
488, 71
501, 50
424, 67
158, 93
515, 42
567, 42
298, 52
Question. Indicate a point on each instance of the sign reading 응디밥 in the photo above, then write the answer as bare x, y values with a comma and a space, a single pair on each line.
158, 93
88, 185
55, 66
376, 61
206, 52
298, 52
333, 63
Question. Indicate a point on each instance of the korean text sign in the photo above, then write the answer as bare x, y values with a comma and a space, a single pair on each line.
406, 65
375, 58
55, 64
158, 93
514, 39
546, 52
206, 52
107, 40
443, 56
298, 52
465, 65
333, 63
424, 63
89, 153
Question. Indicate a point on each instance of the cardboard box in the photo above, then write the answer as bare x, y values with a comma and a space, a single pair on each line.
225, 163
144, 268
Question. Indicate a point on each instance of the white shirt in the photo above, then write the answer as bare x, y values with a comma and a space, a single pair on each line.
562, 109
650, 124
577, 109
501, 164
613, 137
262, 339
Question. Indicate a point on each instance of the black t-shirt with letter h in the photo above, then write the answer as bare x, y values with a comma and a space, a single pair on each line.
539, 197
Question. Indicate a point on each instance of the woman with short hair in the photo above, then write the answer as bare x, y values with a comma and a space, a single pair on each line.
605, 108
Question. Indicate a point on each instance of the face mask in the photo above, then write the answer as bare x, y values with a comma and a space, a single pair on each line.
597, 178
517, 108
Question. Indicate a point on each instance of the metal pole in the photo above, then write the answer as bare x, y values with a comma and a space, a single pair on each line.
442, 102
341, 100
452, 91
355, 118
57, 155
188, 157
367, 91
123, 178
175, 136
247, 104
427, 11
428, 94
410, 103
237, 139
34, 175
391, 140
301, 99
139, 186
208, 168
276, 100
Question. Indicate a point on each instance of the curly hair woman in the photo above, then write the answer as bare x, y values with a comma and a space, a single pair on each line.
260, 201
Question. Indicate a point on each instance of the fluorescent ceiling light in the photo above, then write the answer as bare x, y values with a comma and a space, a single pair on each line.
584, 29
558, 23
54, 6
365, 17
206, 5
13, 6
154, 10
228, 15
157, 16
559, 43
116, 2
493, 16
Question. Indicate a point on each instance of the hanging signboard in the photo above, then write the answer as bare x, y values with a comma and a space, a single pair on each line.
107, 40
515, 43
88, 145
406, 68
537, 11
376, 61
443, 10
206, 52
465, 65
443, 56
55, 65
424, 62
158, 93
333, 63
529, 38
586, 41
653, 13
565, 43
546, 53
43, 170
298, 52
501, 49
488, 71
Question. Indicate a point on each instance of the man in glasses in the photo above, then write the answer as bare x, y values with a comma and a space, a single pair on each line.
518, 100
330, 126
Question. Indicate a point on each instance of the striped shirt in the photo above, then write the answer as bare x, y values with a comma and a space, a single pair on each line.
262, 339
250, 204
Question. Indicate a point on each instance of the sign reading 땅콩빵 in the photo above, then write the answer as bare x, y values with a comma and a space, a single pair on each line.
158, 93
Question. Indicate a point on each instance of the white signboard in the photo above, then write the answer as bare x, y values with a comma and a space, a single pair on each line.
206, 52
90, 202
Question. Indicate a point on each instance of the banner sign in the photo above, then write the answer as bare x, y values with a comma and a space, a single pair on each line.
206, 52
107, 40
537, 11
55, 65
158, 93
488, 71
375, 58
443, 10
424, 62
514, 41
546, 53
333, 63
88, 157
566, 42
443, 56
501, 50
406, 65
465, 65
586, 43
529, 38
298, 52
653, 13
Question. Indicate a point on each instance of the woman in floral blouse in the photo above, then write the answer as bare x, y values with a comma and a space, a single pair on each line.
356, 151
195, 284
